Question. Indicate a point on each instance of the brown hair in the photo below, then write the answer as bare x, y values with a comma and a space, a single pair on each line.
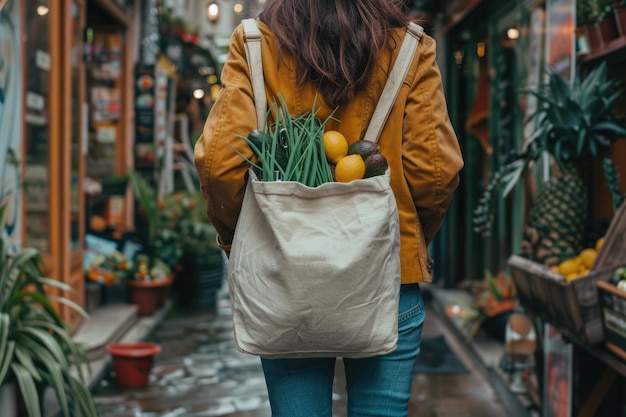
334, 42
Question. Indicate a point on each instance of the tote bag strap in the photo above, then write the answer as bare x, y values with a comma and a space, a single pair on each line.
394, 82
252, 36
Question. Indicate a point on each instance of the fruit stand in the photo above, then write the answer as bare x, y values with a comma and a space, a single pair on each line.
576, 310
573, 305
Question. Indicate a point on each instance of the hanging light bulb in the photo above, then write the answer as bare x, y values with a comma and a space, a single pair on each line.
512, 33
198, 93
212, 12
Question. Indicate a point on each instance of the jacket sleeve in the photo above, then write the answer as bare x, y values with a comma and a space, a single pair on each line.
431, 152
222, 172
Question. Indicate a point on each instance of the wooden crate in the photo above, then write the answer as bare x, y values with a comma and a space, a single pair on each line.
613, 307
571, 306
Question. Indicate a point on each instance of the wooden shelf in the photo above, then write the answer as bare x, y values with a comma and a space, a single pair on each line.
614, 51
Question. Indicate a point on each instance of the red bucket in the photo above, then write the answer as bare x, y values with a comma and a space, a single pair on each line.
133, 362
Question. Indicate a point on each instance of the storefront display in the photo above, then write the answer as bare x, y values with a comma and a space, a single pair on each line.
105, 83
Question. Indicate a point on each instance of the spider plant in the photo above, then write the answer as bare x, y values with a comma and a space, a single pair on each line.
36, 348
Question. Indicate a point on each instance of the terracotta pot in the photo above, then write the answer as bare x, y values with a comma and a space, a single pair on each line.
620, 19
148, 295
133, 362
608, 28
593, 37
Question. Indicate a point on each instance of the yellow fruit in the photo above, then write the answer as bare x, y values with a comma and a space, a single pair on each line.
569, 266
572, 276
554, 268
587, 256
349, 168
335, 146
599, 244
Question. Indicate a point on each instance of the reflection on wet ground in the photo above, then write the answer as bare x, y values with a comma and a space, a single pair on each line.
199, 373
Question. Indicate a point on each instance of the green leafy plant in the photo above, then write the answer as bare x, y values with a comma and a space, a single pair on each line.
584, 12
185, 213
160, 241
592, 11
613, 181
291, 148
491, 297
36, 349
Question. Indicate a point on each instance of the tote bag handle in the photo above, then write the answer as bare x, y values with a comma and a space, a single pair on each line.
252, 36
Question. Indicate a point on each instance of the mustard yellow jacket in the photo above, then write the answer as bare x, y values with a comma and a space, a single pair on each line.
418, 140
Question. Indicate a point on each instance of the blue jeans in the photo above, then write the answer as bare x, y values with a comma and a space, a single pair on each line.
377, 386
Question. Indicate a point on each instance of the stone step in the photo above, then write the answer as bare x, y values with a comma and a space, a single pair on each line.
105, 325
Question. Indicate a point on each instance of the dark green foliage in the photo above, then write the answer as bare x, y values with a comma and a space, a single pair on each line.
573, 124
36, 348
613, 181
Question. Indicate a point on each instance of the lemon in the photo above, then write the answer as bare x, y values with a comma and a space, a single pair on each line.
599, 244
349, 168
335, 146
587, 256
569, 266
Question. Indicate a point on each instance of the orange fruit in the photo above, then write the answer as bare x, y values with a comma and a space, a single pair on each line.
587, 256
349, 168
599, 244
569, 266
335, 146
572, 276
97, 223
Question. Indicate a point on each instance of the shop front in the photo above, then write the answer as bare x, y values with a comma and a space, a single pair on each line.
55, 115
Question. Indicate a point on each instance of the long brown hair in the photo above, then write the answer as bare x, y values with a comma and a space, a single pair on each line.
334, 42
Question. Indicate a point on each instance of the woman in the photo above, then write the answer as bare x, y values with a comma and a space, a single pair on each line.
342, 51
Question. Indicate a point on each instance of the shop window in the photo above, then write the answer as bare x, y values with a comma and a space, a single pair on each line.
37, 131
105, 98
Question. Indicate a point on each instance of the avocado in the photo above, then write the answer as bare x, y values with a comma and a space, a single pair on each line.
375, 164
364, 148
261, 144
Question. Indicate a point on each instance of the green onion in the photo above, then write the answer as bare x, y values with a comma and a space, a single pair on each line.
306, 160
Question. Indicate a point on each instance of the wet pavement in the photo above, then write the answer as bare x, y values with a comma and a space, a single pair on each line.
199, 373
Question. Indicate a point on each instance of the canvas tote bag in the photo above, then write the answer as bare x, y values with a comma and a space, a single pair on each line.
315, 272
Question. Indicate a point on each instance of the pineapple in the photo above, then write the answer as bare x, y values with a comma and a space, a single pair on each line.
555, 228
573, 124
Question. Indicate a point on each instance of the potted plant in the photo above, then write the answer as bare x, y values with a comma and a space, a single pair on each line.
151, 274
493, 301
132, 362
574, 125
200, 273
607, 26
37, 351
619, 10
596, 17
